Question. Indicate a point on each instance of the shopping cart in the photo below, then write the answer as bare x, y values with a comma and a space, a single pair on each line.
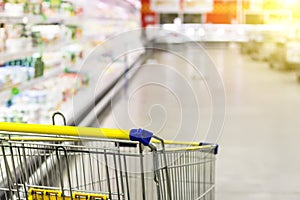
64, 162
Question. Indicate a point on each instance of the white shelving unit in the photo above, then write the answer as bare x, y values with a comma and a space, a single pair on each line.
68, 106
8, 56
36, 19
109, 76
116, 71
20, 18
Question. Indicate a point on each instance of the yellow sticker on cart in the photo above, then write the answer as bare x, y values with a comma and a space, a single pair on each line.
41, 194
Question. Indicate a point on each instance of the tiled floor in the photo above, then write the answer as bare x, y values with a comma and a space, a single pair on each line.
259, 156
260, 143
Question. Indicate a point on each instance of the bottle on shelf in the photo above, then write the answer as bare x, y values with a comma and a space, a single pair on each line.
55, 4
36, 7
39, 67
3, 37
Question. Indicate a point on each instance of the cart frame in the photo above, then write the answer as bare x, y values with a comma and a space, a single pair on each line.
64, 162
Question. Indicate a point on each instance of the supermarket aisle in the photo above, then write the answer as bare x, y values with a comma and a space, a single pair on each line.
260, 143
259, 147
164, 97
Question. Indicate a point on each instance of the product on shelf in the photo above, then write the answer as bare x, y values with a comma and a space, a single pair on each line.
22, 7
33, 99
38, 7
52, 33
71, 54
22, 70
2, 6
14, 7
64, 9
36, 38
16, 72
35, 105
39, 67
3, 37
55, 4
21, 28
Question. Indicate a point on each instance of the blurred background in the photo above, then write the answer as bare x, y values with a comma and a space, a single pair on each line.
47, 64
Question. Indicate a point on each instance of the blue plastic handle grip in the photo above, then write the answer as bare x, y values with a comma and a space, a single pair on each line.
141, 135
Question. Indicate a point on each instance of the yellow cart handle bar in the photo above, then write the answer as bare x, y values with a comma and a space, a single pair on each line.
139, 135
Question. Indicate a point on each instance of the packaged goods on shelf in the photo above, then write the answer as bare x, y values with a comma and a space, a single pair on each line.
16, 8
54, 4
41, 37
16, 72
56, 37
52, 33
20, 28
39, 67
23, 7
62, 8
35, 105
2, 37
21, 70
2, 6
52, 59
71, 54
15, 75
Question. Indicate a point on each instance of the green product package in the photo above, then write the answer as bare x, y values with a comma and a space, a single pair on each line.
55, 4
38, 67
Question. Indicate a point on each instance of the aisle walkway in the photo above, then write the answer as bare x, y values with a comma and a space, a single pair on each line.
260, 143
259, 156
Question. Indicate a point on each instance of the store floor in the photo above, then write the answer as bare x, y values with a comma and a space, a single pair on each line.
259, 146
